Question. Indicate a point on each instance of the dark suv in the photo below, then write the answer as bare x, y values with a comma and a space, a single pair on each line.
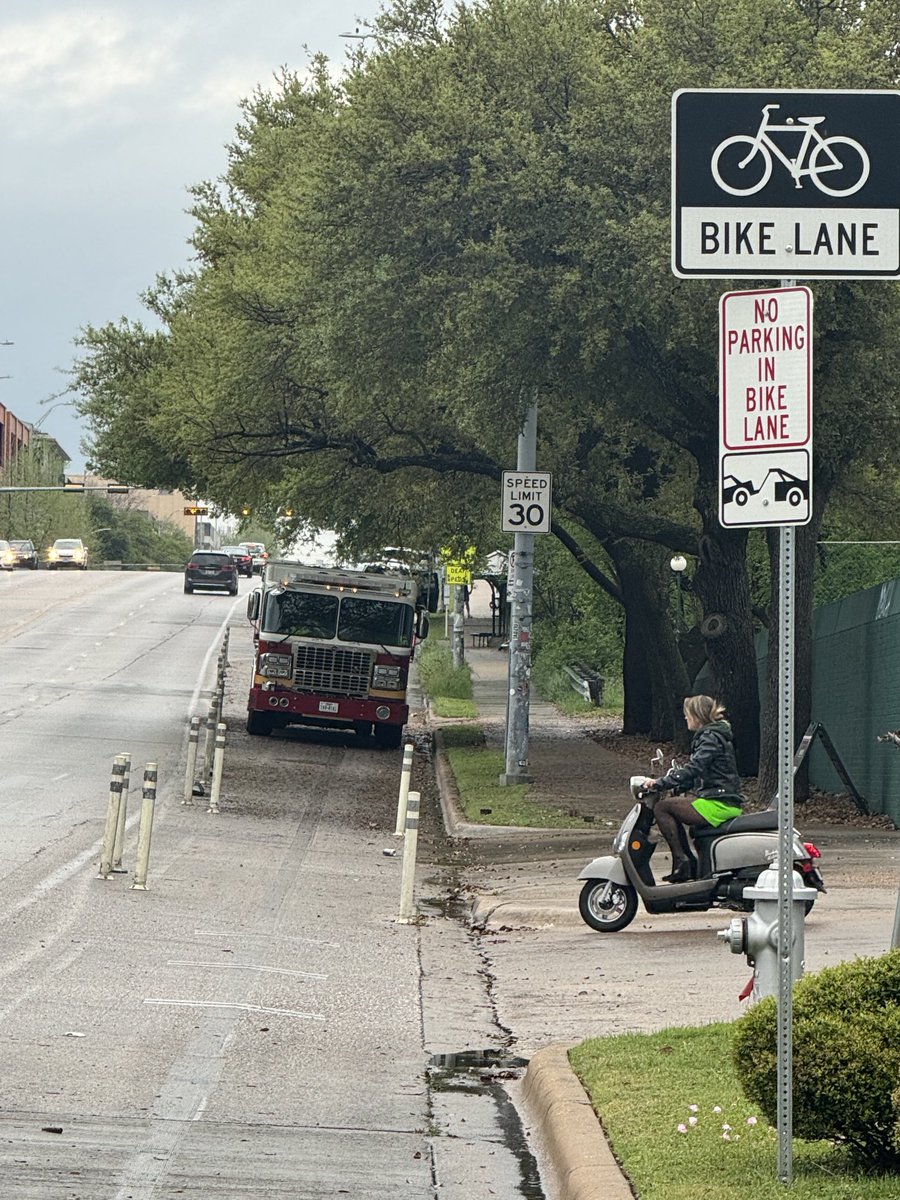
211, 569
25, 553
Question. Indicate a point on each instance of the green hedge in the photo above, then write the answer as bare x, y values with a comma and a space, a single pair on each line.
846, 1057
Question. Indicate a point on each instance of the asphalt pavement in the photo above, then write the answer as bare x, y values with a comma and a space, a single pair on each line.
862, 873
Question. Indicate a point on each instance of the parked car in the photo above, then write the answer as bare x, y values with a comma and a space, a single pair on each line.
25, 553
7, 558
211, 569
68, 552
243, 559
259, 554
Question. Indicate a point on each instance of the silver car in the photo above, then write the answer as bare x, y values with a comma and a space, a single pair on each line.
68, 552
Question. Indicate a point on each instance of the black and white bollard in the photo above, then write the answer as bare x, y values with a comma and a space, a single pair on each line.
118, 844
112, 816
148, 803
405, 773
212, 720
408, 879
191, 768
218, 764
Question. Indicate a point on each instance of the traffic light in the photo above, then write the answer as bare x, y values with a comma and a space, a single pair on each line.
195, 510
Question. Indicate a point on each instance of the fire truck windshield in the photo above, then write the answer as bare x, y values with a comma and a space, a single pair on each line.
348, 618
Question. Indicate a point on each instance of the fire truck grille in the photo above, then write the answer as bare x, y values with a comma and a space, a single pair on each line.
332, 670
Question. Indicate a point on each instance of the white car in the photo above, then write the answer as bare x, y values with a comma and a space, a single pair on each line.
68, 552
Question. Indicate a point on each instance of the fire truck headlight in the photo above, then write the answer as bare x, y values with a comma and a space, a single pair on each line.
382, 712
276, 665
386, 677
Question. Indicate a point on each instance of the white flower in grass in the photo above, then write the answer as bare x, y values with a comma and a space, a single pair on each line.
692, 1120
693, 1108
682, 1128
717, 1108
751, 1120
726, 1137
727, 1128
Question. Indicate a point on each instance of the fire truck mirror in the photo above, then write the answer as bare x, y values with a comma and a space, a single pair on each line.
253, 606
423, 625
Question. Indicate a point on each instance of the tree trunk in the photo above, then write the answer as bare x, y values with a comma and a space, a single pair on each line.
722, 586
655, 676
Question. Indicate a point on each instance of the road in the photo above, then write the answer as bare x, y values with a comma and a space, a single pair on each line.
256, 1023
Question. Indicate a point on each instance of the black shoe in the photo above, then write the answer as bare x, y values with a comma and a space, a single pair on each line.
683, 873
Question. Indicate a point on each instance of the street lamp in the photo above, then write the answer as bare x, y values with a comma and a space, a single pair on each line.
678, 563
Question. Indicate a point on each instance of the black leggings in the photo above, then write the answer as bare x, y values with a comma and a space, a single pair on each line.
672, 814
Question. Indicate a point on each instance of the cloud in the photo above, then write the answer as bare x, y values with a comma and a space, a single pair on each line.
80, 61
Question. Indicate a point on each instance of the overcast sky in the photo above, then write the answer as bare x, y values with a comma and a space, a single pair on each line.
110, 111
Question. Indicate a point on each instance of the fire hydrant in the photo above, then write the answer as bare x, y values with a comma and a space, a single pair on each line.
757, 935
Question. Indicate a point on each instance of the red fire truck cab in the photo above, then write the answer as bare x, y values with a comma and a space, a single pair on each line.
333, 647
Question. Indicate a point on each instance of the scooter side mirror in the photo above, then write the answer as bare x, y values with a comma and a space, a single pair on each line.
658, 759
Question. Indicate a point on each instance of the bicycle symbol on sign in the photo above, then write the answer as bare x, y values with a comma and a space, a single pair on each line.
754, 156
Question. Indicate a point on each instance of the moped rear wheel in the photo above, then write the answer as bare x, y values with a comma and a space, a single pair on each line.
609, 914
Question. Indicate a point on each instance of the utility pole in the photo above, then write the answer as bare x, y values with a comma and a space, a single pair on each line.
521, 588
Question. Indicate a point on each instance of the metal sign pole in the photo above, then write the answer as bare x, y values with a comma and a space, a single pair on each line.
785, 845
521, 584
785, 1027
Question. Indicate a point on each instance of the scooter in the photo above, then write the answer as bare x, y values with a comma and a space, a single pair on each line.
730, 857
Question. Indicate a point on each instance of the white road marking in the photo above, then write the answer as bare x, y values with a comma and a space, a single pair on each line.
192, 962
257, 1008
282, 937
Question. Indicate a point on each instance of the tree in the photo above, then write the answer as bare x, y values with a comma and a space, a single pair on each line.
479, 210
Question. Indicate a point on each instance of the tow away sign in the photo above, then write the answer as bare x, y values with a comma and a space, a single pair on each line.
765, 398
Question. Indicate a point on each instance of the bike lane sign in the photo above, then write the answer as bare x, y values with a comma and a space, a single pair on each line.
765, 397
795, 184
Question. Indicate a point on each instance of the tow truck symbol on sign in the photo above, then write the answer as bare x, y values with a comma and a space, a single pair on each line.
765, 489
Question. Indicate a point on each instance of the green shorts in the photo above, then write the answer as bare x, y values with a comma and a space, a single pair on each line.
714, 812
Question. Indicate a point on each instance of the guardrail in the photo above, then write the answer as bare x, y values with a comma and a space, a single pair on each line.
586, 682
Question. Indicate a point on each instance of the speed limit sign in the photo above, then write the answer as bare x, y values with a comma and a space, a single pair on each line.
526, 502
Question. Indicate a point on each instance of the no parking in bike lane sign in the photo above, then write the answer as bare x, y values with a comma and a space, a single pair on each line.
765, 398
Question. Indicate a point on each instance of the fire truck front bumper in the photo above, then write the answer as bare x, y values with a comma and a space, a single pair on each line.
337, 710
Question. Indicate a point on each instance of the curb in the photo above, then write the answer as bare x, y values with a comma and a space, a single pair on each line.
576, 1145
585, 1166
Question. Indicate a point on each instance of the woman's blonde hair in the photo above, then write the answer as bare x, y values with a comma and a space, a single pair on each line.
704, 709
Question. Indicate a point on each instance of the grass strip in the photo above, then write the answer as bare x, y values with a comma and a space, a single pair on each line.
682, 1129
476, 770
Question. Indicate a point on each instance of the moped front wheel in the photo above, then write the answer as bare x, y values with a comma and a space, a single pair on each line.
607, 911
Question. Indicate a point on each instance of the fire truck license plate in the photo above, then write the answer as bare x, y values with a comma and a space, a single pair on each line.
328, 706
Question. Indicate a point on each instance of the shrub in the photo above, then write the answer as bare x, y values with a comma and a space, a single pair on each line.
846, 1058
437, 674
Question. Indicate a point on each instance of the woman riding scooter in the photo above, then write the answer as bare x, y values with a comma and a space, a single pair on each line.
711, 773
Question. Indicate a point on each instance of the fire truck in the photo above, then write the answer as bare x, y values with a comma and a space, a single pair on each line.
333, 648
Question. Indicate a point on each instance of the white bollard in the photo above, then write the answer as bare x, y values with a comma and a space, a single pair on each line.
112, 816
148, 802
212, 720
405, 773
218, 764
190, 770
117, 867
407, 883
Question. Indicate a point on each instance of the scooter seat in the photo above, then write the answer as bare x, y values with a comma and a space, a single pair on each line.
746, 823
